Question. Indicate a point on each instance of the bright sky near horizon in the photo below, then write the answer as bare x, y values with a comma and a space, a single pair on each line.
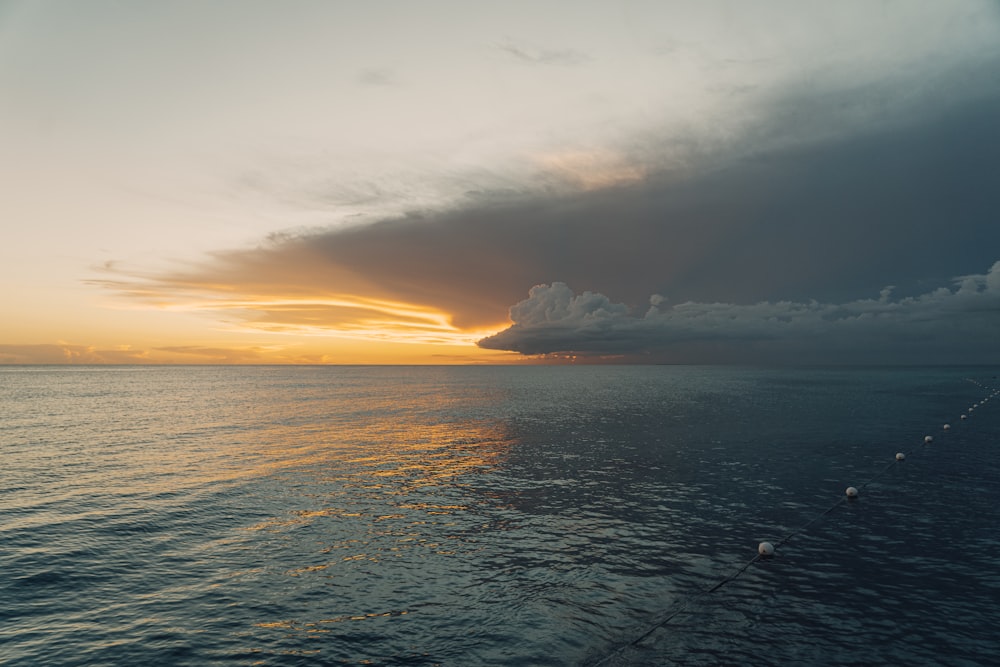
454, 182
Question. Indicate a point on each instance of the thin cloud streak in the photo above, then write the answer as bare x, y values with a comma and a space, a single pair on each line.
75, 354
381, 76
532, 55
67, 353
318, 314
294, 352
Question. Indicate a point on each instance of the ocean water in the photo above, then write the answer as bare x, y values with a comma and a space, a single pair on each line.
498, 516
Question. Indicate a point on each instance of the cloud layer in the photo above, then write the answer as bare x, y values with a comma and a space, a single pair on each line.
813, 161
910, 204
942, 326
68, 353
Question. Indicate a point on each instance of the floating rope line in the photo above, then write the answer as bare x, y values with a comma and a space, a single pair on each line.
767, 549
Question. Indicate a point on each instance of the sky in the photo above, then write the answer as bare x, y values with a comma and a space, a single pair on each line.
546, 182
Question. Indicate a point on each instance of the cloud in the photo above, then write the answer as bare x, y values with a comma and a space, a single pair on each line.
533, 55
907, 206
814, 195
75, 354
380, 76
940, 326
67, 353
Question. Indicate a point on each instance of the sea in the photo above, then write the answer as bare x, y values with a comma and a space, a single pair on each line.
499, 515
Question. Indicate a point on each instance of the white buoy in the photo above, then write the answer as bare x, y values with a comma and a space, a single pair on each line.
947, 427
928, 439
851, 492
900, 456
765, 549
964, 417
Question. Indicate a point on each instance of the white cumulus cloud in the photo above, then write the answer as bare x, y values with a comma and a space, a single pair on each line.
946, 325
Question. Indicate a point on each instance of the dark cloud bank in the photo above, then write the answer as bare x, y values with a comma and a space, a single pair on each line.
955, 325
780, 237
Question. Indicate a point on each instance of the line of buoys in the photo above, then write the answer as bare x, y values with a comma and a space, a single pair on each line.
767, 549
852, 492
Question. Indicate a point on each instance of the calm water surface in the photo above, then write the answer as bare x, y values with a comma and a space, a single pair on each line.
497, 516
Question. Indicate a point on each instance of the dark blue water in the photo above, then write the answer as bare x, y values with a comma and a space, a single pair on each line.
497, 516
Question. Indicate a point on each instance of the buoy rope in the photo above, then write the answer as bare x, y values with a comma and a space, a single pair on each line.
683, 605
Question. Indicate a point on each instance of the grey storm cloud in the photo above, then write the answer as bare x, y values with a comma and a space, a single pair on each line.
946, 324
815, 198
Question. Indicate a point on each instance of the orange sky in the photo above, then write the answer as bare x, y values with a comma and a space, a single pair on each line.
105, 328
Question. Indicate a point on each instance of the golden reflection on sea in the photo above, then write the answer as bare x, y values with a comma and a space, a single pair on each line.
376, 501
403, 461
390, 496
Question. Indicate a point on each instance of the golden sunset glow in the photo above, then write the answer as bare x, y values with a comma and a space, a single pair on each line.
341, 316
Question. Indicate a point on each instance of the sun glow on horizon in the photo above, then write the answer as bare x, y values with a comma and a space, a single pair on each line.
340, 315
330, 329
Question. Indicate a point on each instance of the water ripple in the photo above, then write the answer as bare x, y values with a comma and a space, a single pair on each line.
203, 516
